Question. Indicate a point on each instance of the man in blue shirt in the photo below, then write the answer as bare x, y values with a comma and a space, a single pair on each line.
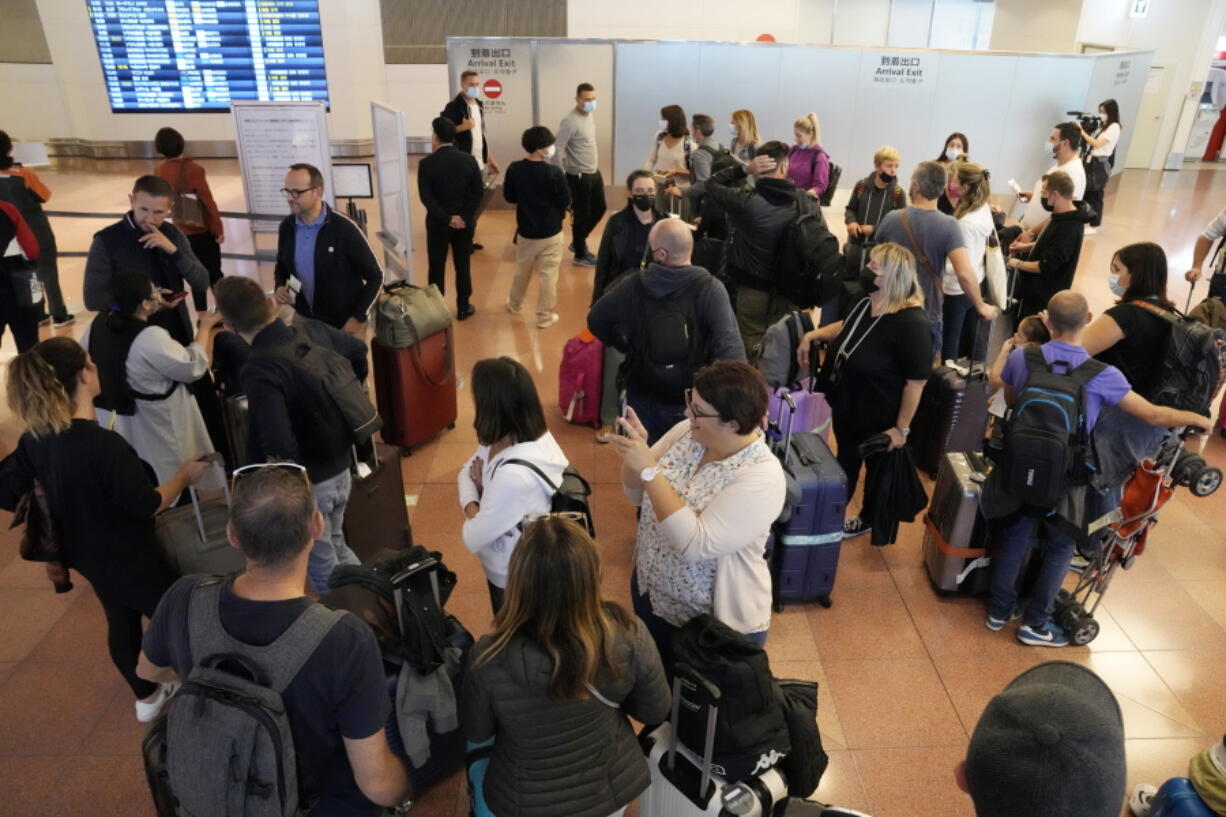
1066, 317
326, 268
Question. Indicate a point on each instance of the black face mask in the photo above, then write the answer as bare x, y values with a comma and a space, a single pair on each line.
1046, 204
868, 280
886, 178
642, 201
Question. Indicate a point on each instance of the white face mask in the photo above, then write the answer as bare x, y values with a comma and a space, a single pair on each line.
1049, 149
733, 128
1113, 283
951, 153
664, 125
549, 151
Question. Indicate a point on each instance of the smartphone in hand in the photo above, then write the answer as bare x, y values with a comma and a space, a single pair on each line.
625, 415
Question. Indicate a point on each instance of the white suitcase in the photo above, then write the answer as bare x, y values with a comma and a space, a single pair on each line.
685, 785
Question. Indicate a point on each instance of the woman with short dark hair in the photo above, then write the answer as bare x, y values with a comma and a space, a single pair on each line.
509, 475
709, 490
556, 683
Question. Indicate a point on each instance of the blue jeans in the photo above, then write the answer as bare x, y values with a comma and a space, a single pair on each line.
330, 550
655, 416
1017, 537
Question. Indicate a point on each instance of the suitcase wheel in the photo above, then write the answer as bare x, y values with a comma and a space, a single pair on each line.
451, 427
778, 608
825, 601
404, 451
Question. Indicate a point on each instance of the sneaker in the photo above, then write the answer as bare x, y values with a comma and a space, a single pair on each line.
514, 310
997, 624
1142, 800
545, 323
66, 320
586, 261
855, 527
1049, 635
148, 710
1091, 230
570, 247
465, 312
45, 320
1078, 564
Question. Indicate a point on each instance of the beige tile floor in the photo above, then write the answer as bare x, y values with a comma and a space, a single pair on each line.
904, 675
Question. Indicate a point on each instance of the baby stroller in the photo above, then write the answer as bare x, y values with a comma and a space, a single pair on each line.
1149, 488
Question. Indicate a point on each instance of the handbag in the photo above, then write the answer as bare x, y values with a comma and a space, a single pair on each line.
996, 273
1097, 172
192, 537
38, 541
186, 211
406, 314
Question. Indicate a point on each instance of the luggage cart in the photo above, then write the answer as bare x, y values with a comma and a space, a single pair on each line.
1151, 486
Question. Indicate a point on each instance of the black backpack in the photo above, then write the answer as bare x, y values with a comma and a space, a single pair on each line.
571, 496
832, 184
810, 264
751, 731
1046, 443
1193, 364
806, 763
668, 350
721, 157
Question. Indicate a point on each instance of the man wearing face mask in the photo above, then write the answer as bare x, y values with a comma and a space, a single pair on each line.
1063, 144
670, 320
1046, 266
467, 111
540, 195
576, 155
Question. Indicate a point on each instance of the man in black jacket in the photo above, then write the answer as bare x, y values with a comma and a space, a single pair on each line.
143, 239
326, 268
449, 184
467, 111
759, 218
1047, 265
623, 244
291, 416
670, 320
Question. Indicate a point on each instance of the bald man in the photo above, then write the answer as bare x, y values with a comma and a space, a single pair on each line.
1023, 526
670, 320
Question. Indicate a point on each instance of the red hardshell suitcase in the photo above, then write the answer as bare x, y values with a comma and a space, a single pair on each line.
415, 389
952, 416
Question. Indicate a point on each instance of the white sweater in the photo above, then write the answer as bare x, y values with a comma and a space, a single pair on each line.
511, 493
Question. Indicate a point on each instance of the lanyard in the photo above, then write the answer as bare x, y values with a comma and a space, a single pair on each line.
844, 354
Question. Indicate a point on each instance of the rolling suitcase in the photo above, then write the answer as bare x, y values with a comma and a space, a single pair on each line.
235, 414
812, 411
684, 784
376, 518
192, 537
952, 416
955, 532
804, 548
580, 377
415, 388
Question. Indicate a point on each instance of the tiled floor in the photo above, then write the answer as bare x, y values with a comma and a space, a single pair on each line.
904, 675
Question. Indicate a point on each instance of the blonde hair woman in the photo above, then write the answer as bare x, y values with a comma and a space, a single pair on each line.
968, 190
808, 162
879, 360
557, 681
745, 136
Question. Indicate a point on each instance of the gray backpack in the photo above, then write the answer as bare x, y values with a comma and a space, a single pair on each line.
228, 748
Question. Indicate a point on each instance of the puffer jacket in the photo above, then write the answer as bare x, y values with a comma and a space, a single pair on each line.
563, 758
758, 217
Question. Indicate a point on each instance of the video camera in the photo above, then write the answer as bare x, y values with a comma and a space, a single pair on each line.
1089, 122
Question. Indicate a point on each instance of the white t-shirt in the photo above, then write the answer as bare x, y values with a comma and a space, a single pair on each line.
976, 226
478, 132
1217, 227
1112, 134
1035, 214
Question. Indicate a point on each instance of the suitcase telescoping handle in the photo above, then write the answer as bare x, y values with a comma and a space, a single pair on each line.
216, 459
786, 398
707, 690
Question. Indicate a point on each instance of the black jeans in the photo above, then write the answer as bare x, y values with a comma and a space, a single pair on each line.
440, 237
496, 596
124, 604
208, 252
23, 323
49, 276
657, 418
587, 205
847, 437
1094, 198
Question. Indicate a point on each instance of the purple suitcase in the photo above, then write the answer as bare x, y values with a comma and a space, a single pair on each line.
812, 410
804, 548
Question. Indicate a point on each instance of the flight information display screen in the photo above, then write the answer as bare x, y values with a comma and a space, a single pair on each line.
200, 55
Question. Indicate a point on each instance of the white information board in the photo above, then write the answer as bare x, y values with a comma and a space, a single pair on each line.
392, 171
271, 136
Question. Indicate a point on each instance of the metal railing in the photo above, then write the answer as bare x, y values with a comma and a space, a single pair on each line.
259, 256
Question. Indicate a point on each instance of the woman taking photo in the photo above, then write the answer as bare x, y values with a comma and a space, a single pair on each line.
1098, 166
957, 146
879, 360
143, 372
745, 136
808, 162
669, 160
968, 189
495, 493
556, 683
708, 491
101, 498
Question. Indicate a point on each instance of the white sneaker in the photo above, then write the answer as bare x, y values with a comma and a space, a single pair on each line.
149, 709
514, 310
1091, 231
1142, 799
545, 323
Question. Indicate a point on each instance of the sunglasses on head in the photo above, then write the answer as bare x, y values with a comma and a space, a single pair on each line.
246, 470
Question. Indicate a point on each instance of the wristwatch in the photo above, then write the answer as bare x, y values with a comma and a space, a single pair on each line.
905, 432
403, 808
649, 473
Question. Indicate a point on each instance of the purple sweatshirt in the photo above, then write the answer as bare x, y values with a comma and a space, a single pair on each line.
809, 168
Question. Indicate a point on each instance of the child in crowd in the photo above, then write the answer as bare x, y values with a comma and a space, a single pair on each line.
1201, 794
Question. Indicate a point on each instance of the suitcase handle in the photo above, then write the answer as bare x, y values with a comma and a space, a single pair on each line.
448, 366
684, 672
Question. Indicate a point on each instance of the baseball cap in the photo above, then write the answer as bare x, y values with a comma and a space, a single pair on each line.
1051, 744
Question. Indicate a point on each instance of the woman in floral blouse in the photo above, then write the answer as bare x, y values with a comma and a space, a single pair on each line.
709, 490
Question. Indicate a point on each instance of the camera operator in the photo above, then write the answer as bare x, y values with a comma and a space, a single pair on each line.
1063, 144
1100, 156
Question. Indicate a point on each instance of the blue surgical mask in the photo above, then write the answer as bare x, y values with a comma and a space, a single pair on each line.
472, 91
589, 106
1113, 283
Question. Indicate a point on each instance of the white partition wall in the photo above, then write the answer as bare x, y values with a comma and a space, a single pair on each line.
1005, 103
560, 66
392, 169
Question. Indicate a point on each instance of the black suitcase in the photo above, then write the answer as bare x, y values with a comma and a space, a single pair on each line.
376, 518
235, 415
952, 416
955, 532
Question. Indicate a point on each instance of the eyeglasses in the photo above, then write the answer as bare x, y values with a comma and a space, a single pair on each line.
689, 404
256, 466
291, 193
570, 516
